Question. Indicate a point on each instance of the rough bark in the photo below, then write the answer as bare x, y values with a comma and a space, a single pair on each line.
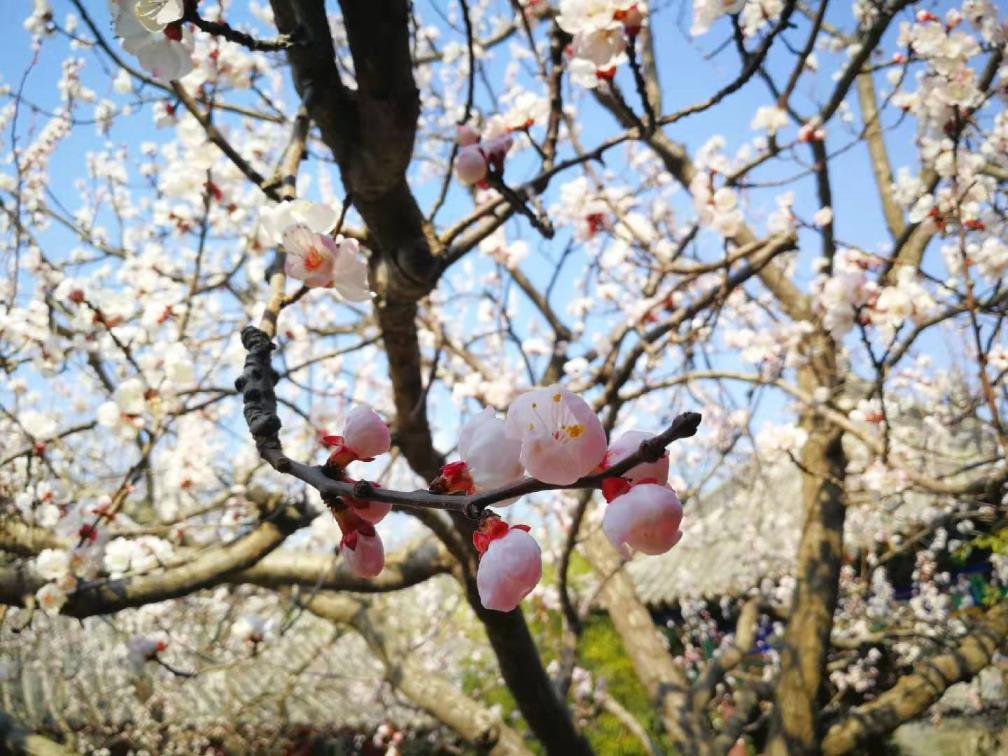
204, 570
317, 571
806, 641
370, 131
14, 739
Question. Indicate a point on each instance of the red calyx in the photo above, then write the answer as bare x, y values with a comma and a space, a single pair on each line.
596, 222
174, 31
454, 478
492, 528
88, 532
353, 527
340, 455
606, 74
613, 487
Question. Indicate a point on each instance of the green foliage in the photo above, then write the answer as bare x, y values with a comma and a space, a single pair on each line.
996, 542
600, 651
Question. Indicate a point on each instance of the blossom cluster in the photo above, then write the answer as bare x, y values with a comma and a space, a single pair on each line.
601, 30
365, 436
478, 154
552, 435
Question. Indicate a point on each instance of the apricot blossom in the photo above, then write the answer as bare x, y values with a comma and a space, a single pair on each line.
561, 438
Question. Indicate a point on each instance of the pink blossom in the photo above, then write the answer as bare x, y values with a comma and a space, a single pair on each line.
141, 649
470, 165
627, 444
496, 148
371, 511
365, 436
561, 438
366, 433
510, 564
154, 34
466, 135
361, 545
321, 261
310, 256
350, 271
645, 518
492, 458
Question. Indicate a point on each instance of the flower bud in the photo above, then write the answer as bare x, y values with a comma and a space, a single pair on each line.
510, 565
470, 165
646, 518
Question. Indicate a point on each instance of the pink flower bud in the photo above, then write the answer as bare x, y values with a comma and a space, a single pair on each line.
646, 518
454, 478
561, 438
470, 165
632, 19
364, 553
466, 135
492, 458
629, 443
366, 433
495, 150
370, 511
510, 566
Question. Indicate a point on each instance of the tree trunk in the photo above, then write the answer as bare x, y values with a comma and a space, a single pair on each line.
663, 679
806, 642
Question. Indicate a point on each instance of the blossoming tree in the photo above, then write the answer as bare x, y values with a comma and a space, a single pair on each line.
333, 272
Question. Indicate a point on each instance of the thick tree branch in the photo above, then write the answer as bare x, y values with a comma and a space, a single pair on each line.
914, 693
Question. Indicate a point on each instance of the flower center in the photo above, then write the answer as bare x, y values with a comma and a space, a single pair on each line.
568, 432
313, 259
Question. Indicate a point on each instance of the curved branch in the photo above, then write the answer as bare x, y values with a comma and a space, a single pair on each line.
286, 568
204, 570
914, 693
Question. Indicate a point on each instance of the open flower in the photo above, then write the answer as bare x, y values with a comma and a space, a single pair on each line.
510, 564
365, 436
310, 256
645, 518
151, 30
561, 438
321, 261
350, 271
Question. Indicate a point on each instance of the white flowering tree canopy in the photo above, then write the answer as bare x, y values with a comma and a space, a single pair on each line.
364, 361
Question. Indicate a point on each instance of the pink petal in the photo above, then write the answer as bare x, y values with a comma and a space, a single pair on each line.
627, 444
367, 558
366, 433
646, 519
509, 570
